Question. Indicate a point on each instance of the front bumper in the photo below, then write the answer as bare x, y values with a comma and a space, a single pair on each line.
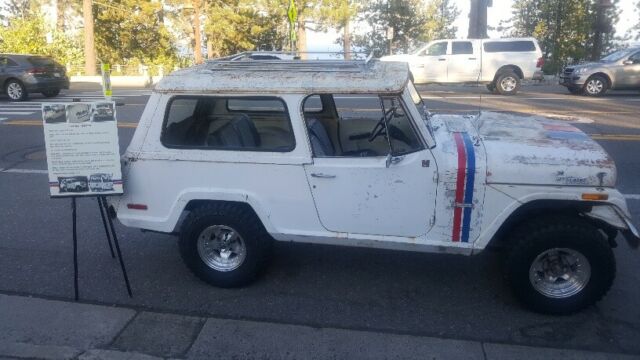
571, 80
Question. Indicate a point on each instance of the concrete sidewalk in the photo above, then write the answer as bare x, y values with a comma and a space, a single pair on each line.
50, 329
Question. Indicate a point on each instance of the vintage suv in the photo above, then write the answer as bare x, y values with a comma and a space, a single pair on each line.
232, 155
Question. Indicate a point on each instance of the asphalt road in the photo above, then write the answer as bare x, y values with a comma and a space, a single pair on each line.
323, 286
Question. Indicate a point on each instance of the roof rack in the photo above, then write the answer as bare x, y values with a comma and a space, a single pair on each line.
295, 64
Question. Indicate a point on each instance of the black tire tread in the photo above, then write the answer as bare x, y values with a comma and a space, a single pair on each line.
527, 237
244, 221
505, 73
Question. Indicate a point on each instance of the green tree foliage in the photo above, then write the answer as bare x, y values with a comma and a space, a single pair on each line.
132, 32
239, 25
565, 28
26, 33
412, 23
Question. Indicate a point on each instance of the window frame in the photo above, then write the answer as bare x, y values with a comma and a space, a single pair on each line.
381, 98
170, 101
446, 48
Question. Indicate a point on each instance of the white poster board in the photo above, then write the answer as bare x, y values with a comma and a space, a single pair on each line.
83, 155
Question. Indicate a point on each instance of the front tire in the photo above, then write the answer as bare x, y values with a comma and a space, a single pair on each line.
15, 90
596, 86
224, 245
559, 264
508, 83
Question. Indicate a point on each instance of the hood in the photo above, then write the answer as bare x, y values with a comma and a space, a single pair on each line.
531, 150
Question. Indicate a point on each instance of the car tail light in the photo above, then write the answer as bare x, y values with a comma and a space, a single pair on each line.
37, 70
540, 62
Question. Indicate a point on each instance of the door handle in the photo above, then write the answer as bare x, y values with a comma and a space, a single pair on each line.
322, 176
442, 59
472, 58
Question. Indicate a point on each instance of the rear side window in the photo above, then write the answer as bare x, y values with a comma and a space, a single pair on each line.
41, 61
509, 46
7, 62
461, 47
228, 123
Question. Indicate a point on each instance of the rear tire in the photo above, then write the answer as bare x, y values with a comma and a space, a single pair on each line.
508, 83
559, 264
15, 90
224, 245
596, 86
51, 93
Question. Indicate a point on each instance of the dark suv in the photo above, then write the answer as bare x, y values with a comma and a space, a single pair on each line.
24, 74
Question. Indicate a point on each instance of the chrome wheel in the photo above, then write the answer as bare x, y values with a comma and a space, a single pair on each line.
15, 91
595, 86
221, 248
560, 273
508, 84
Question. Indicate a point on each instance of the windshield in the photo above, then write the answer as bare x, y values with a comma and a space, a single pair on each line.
614, 56
420, 105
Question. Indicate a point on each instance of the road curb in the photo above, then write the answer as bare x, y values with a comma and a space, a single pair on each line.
41, 335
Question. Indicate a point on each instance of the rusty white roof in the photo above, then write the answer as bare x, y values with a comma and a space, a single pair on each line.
288, 76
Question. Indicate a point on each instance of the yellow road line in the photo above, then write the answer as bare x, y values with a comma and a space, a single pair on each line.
616, 137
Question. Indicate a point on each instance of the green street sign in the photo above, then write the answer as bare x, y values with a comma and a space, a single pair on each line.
292, 12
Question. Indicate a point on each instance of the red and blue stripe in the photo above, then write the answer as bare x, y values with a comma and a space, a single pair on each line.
465, 179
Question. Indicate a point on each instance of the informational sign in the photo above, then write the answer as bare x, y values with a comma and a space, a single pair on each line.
106, 80
83, 155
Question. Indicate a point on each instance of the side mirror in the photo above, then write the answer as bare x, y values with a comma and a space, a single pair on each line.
628, 62
388, 161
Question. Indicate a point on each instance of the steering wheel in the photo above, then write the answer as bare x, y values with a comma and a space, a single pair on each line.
379, 128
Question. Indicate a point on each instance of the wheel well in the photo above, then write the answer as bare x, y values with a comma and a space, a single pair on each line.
546, 207
4, 85
513, 68
192, 204
604, 76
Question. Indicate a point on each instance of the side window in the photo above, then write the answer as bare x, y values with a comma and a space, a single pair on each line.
3, 62
356, 127
509, 46
437, 49
461, 47
11, 62
228, 123
635, 58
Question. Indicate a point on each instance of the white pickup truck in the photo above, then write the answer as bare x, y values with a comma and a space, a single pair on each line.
501, 64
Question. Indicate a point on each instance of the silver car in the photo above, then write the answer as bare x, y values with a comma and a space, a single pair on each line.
617, 71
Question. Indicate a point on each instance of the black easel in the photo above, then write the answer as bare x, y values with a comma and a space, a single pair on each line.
111, 234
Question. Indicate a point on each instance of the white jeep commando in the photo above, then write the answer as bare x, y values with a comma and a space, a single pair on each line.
233, 155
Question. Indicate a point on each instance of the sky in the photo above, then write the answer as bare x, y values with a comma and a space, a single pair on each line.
501, 10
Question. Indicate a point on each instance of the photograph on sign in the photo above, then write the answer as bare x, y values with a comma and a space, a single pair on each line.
83, 154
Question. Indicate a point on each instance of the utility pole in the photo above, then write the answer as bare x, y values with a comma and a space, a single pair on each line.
197, 49
602, 26
478, 19
89, 40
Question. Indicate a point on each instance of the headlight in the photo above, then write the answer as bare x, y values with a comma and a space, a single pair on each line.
581, 71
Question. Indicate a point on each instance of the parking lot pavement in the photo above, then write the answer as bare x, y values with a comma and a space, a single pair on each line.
52, 329
321, 287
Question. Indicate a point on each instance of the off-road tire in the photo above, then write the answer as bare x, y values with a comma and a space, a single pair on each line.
505, 75
257, 243
547, 232
10, 88
51, 93
596, 78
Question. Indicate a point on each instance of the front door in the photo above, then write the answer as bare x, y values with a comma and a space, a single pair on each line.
357, 187
628, 73
431, 63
